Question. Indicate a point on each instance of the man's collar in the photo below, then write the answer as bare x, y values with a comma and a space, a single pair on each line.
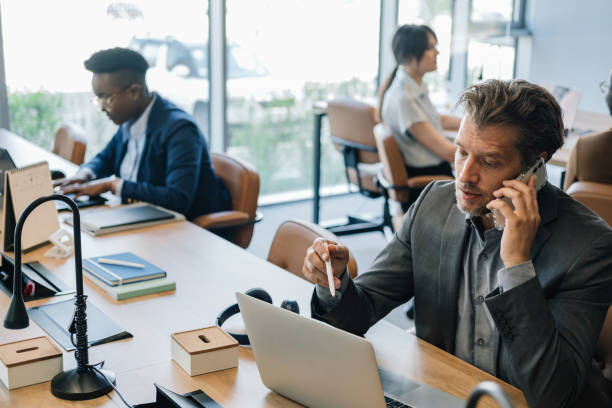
140, 125
548, 203
134, 128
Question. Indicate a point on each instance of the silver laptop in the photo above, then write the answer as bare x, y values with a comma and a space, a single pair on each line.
318, 365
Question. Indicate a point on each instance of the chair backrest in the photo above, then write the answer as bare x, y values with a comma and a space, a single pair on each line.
351, 125
70, 143
291, 241
596, 196
392, 161
589, 159
353, 121
242, 183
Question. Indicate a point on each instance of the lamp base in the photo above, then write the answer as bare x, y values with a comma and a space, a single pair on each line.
81, 385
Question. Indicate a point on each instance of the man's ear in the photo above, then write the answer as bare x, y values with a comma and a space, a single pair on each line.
135, 90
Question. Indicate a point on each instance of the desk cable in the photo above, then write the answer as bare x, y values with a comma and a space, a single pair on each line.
101, 364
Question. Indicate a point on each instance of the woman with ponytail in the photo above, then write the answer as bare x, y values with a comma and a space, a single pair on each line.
404, 104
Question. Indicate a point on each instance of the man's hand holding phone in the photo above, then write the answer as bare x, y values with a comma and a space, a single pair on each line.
320, 251
521, 222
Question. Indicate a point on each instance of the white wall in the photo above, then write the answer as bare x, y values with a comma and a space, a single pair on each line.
572, 43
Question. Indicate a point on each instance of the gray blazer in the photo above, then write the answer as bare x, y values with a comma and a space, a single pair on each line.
549, 324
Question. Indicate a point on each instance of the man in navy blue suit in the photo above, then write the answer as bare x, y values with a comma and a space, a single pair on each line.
158, 154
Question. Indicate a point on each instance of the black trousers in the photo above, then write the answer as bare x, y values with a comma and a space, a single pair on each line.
442, 169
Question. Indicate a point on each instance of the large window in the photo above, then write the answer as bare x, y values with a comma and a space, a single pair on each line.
493, 28
45, 46
438, 16
283, 56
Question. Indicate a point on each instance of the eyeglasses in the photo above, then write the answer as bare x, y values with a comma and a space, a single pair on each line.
107, 100
604, 86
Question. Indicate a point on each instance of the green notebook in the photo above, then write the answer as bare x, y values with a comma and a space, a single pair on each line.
131, 290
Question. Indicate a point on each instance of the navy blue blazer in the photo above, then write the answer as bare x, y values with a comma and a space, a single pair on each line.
175, 170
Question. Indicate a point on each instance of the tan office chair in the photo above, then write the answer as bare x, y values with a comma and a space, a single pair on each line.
394, 179
242, 182
291, 241
351, 123
70, 143
589, 160
598, 197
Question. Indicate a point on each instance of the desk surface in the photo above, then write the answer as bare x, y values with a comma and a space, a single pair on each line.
584, 123
207, 270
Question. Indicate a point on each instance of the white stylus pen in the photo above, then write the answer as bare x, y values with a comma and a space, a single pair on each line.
330, 273
121, 263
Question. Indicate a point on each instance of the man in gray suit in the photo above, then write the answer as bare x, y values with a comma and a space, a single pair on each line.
525, 303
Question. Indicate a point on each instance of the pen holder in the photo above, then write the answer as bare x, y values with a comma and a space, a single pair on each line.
29, 362
204, 350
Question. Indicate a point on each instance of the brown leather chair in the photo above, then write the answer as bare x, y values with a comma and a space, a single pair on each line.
292, 239
70, 143
598, 197
242, 182
351, 123
394, 179
589, 159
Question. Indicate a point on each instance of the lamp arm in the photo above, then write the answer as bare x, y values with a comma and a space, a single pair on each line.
76, 227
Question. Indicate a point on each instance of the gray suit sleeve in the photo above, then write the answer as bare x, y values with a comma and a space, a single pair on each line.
387, 284
326, 301
550, 358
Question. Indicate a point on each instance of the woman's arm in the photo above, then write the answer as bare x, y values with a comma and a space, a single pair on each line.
427, 135
450, 122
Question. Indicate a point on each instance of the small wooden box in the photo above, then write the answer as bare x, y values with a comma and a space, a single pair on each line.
204, 350
28, 362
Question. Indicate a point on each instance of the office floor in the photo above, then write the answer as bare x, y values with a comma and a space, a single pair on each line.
364, 247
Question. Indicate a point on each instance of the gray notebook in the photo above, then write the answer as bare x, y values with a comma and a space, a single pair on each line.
107, 220
54, 318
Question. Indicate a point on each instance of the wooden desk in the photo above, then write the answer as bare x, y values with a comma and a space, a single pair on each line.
584, 123
208, 270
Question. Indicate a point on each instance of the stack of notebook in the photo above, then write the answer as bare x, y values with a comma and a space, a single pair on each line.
126, 275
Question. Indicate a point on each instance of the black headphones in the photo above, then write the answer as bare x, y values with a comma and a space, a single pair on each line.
260, 294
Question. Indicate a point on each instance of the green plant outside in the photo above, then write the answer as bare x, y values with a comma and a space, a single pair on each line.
35, 116
279, 142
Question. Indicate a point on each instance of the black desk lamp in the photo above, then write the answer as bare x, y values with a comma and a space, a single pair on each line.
491, 389
85, 381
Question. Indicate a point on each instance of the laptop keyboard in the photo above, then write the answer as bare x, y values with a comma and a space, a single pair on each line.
391, 403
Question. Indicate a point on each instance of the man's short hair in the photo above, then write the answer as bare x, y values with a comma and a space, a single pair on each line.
527, 107
126, 66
